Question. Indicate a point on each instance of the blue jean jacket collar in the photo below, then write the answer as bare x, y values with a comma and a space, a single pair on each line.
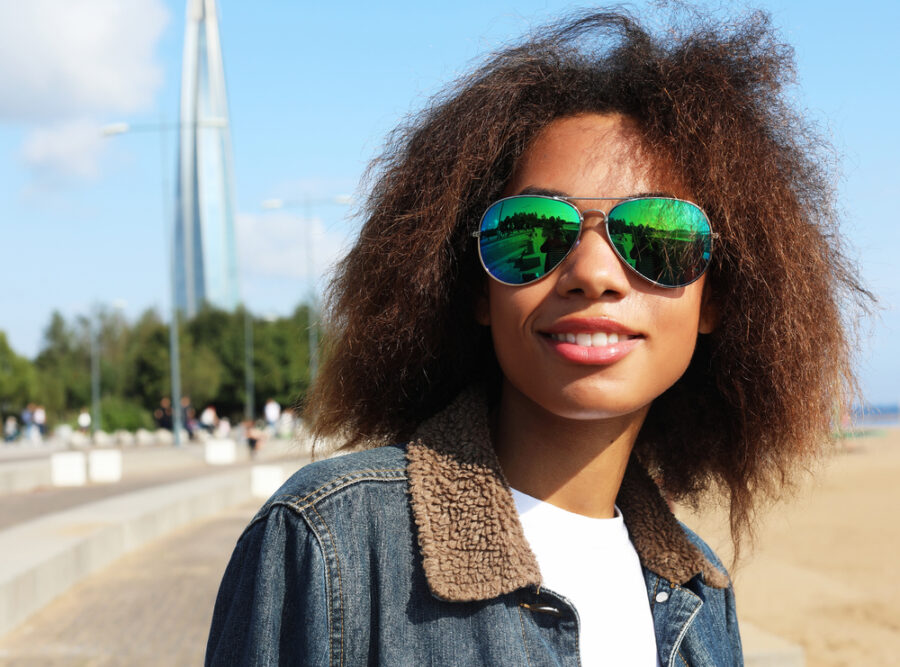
472, 543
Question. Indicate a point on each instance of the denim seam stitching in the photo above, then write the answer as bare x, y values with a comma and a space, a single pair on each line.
683, 632
683, 660
340, 582
653, 595
313, 501
364, 475
327, 587
524, 641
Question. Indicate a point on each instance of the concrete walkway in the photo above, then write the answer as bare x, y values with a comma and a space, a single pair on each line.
53, 538
150, 607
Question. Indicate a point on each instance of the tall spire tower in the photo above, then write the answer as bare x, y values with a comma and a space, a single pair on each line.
205, 252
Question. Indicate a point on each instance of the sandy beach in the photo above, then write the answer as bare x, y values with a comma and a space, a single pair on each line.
822, 571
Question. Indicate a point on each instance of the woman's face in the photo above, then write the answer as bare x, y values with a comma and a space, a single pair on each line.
592, 292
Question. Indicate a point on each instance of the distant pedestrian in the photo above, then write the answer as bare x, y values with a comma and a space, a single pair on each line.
10, 428
27, 420
188, 416
286, 423
272, 411
31, 428
254, 436
164, 414
40, 420
84, 420
209, 419
223, 428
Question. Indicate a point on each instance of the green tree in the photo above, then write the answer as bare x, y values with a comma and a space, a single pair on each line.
221, 333
146, 378
113, 340
18, 379
120, 413
201, 373
281, 357
135, 371
64, 366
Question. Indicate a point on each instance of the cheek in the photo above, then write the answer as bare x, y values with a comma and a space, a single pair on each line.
510, 310
506, 322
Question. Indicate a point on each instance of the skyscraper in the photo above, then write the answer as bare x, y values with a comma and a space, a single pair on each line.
205, 252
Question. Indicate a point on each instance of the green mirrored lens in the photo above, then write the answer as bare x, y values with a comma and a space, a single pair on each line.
524, 238
665, 240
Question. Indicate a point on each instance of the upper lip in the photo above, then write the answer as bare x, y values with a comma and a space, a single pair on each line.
576, 325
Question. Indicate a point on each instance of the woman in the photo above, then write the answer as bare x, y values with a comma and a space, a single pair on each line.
690, 335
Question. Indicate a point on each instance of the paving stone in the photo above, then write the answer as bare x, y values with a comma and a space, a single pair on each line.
151, 607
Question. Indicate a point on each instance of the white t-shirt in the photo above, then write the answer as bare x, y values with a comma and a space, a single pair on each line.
593, 563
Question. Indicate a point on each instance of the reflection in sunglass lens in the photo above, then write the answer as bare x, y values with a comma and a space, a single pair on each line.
665, 240
524, 238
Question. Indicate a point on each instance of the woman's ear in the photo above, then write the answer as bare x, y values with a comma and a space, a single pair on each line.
709, 311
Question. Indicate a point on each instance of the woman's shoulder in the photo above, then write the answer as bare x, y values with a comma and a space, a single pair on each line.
320, 479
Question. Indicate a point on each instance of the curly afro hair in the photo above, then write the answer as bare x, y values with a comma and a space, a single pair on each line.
759, 398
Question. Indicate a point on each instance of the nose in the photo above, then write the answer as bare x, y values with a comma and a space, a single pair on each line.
592, 268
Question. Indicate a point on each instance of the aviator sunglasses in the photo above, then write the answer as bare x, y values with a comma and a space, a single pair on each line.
664, 240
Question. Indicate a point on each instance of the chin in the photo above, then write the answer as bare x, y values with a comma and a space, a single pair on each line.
593, 405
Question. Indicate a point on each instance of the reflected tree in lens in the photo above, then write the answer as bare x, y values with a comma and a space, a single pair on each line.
665, 240
524, 238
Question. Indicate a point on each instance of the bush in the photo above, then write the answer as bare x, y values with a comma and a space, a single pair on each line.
118, 413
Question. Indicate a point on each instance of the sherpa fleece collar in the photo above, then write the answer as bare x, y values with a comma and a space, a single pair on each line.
472, 543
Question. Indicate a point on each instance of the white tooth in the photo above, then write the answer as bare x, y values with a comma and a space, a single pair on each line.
612, 339
583, 339
570, 338
598, 339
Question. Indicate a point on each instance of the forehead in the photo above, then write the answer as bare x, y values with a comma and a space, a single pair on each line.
594, 155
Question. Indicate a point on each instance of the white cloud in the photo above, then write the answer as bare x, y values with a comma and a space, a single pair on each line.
61, 58
274, 245
63, 62
69, 148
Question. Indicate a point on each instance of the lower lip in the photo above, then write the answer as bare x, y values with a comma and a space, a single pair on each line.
608, 354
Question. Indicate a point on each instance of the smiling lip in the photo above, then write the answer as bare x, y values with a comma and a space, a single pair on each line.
591, 340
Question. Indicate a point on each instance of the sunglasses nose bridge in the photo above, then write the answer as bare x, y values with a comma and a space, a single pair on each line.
589, 213
600, 226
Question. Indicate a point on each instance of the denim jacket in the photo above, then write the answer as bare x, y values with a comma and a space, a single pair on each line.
414, 555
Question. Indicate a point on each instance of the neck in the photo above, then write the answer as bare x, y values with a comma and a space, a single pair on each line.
574, 464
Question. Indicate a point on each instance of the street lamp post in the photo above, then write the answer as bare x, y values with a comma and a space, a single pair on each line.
94, 333
174, 352
313, 309
249, 403
306, 204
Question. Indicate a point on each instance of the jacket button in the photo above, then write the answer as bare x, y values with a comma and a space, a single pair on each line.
662, 596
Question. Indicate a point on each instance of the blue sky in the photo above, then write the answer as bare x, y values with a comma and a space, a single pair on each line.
314, 88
